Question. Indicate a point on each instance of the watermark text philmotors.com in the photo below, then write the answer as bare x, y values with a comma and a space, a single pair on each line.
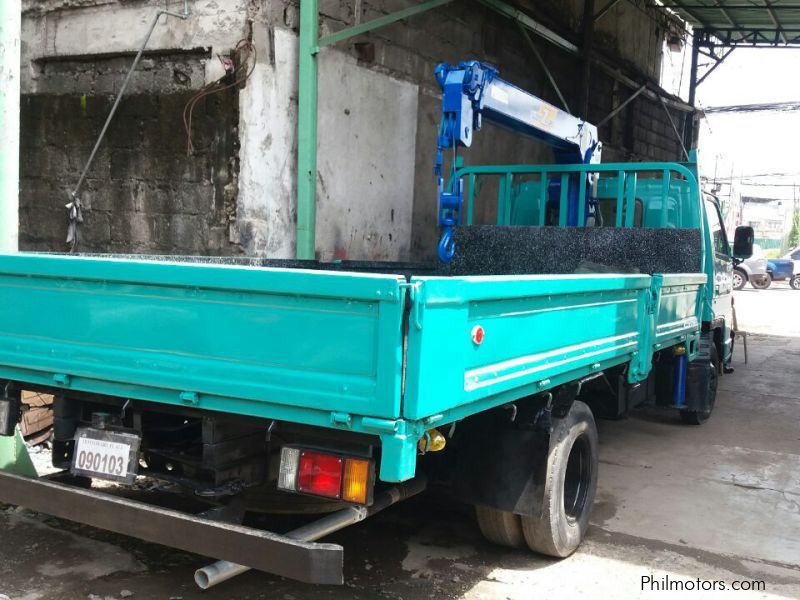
665, 583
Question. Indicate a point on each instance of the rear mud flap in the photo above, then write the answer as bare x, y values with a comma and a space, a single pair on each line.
506, 472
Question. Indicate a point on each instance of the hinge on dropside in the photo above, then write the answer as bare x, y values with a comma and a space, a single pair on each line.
652, 301
654, 294
414, 301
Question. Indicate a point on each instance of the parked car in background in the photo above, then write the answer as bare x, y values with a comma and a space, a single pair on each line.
780, 269
754, 270
794, 256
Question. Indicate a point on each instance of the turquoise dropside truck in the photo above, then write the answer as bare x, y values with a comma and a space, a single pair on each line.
563, 291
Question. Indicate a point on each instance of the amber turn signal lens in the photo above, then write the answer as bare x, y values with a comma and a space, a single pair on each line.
355, 486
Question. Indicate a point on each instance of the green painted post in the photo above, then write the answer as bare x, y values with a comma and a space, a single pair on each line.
307, 131
14, 456
543, 185
10, 26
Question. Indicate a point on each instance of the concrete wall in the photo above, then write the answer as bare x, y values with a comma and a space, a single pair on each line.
144, 192
379, 107
365, 157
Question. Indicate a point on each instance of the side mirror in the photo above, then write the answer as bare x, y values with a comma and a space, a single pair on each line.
743, 242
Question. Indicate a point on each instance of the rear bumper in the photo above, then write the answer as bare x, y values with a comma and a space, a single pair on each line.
263, 550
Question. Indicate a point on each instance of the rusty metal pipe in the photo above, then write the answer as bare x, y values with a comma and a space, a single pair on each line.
223, 570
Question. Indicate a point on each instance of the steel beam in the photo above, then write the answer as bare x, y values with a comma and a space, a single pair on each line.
531, 24
307, 131
587, 46
627, 101
689, 125
674, 128
750, 7
775, 20
604, 11
718, 61
612, 71
350, 32
543, 64
750, 37
307, 106
10, 27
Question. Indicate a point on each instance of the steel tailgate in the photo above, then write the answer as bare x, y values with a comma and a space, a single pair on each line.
278, 343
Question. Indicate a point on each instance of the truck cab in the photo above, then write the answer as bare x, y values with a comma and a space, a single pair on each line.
718, 317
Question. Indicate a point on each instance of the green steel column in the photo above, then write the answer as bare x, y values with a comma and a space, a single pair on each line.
10, 25
307, 131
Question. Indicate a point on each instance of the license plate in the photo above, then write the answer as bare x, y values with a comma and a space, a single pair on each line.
108, 455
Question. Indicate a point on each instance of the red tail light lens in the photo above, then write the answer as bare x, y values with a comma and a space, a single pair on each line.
320, 474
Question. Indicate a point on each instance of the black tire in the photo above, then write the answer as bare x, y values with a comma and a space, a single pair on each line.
570, 486
706, 350
795, 282
762, 284
500, 527
739, 279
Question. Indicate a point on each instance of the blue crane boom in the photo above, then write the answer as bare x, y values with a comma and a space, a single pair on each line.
472, 92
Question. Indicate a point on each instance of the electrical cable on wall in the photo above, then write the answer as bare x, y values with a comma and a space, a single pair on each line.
247, 64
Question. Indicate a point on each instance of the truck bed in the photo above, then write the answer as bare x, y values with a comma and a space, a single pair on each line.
375, 351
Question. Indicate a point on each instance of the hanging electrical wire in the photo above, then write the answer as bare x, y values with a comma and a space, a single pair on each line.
758, 107
240, 73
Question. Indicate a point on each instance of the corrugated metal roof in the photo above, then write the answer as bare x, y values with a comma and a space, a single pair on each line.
742, 22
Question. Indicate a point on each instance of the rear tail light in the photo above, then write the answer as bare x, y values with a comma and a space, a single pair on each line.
355, 484
320, 474
287, 475
328, 475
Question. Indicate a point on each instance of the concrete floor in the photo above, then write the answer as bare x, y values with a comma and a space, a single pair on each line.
720, 502
772, 311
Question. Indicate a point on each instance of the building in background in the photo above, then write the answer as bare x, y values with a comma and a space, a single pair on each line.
233, 190
771, 218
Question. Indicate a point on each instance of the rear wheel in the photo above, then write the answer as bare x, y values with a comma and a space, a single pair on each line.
739, 279
500, 527
795, 282
570, 487
763, 283
560, 523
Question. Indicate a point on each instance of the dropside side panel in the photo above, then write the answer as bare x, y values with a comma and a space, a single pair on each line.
539, 330
679, 309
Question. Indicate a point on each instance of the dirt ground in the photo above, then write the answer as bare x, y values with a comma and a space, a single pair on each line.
716, 504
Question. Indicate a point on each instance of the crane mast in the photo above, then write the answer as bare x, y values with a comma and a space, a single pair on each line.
473, 92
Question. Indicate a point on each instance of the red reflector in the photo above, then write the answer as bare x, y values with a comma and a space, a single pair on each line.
477, 335
320, 474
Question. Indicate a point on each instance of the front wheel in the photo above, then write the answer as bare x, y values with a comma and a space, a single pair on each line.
795, 282
739, 279
706, 352
763, 283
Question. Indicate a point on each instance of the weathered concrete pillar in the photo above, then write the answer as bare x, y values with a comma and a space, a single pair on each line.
10, 25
